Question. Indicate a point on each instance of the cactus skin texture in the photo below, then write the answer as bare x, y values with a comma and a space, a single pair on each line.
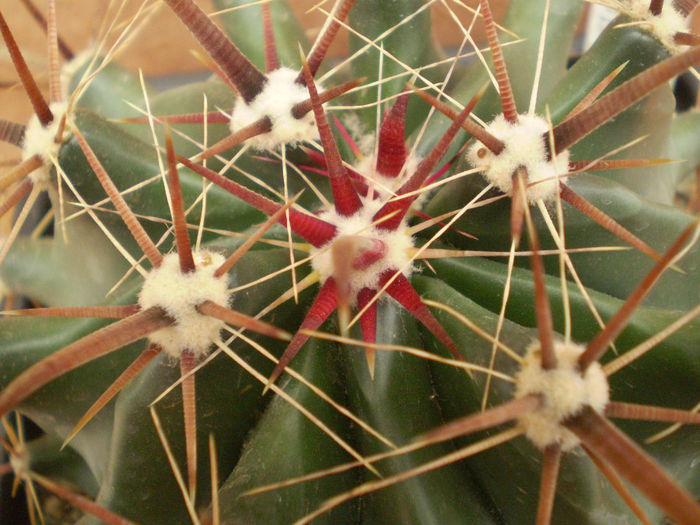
452, 286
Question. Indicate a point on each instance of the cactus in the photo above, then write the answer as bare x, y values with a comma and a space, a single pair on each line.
502, 241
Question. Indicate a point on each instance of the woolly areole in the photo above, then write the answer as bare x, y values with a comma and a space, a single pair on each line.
40, 140
279, 95
179, 294
663, 26
524, 146
564, 393
385, 186
397, 244
70, 69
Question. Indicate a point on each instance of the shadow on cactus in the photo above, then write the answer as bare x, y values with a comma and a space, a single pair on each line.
23, 456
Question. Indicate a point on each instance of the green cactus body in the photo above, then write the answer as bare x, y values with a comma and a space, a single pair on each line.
264, 438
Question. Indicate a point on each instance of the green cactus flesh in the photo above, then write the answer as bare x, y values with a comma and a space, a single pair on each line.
410, 405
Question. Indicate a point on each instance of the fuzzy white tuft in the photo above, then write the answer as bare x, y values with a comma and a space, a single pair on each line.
41, 140
364, 138
71, 68
386, 187
397, 243
664, 26
524, 146
178, 294
564, 393
279, 95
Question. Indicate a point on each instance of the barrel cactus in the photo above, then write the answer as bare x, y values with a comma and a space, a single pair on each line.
302, 291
